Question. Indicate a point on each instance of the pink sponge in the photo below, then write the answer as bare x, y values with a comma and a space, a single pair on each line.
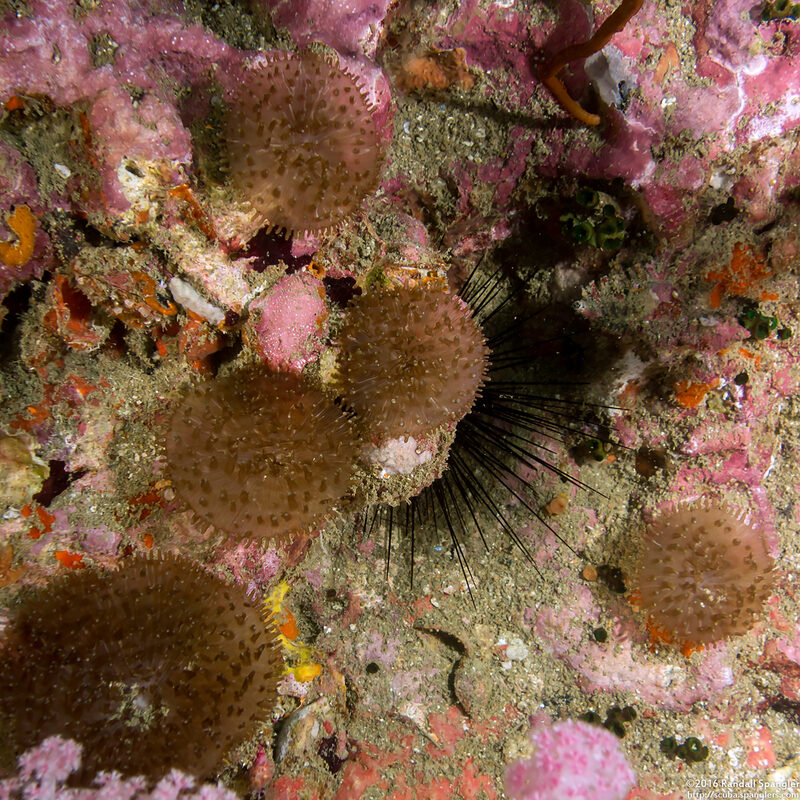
571, 760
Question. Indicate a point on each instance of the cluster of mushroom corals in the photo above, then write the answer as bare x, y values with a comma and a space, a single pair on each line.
139, 658
158, 656
260, 453
265, 454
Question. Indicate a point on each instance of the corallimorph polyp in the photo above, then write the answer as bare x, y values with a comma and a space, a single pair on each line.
303, 147
259, 453
412, 359
704, 574
153, 666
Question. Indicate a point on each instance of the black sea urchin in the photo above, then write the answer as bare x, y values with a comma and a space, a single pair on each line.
153, 666
259, 453
510, 429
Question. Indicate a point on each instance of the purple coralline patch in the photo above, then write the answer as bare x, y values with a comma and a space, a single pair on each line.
627, 666
17, 180
380, 650
101, 541
291, 322
504, 175
491, 39
410, 686
726, 32
50, 53
349, 26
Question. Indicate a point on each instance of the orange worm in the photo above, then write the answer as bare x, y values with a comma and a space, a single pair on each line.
615, 22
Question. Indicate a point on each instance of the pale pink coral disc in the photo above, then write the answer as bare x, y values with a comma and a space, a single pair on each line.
704, 574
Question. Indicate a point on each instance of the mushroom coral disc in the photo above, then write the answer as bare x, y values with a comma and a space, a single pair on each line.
703, 574
259, 453
411, 359
152, 666
303, 147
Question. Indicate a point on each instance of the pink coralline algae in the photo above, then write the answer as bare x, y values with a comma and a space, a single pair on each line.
571, 760
350, 26
50, 52
624, 668
290, 322
741, 75
45, 770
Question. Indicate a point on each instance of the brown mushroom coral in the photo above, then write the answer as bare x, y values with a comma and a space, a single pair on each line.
704, 574
153, 666
303, 147
411, 359
259, 453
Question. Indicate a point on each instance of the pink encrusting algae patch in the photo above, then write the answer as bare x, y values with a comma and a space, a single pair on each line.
151, 52
290, 322
627, 667
571, 760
